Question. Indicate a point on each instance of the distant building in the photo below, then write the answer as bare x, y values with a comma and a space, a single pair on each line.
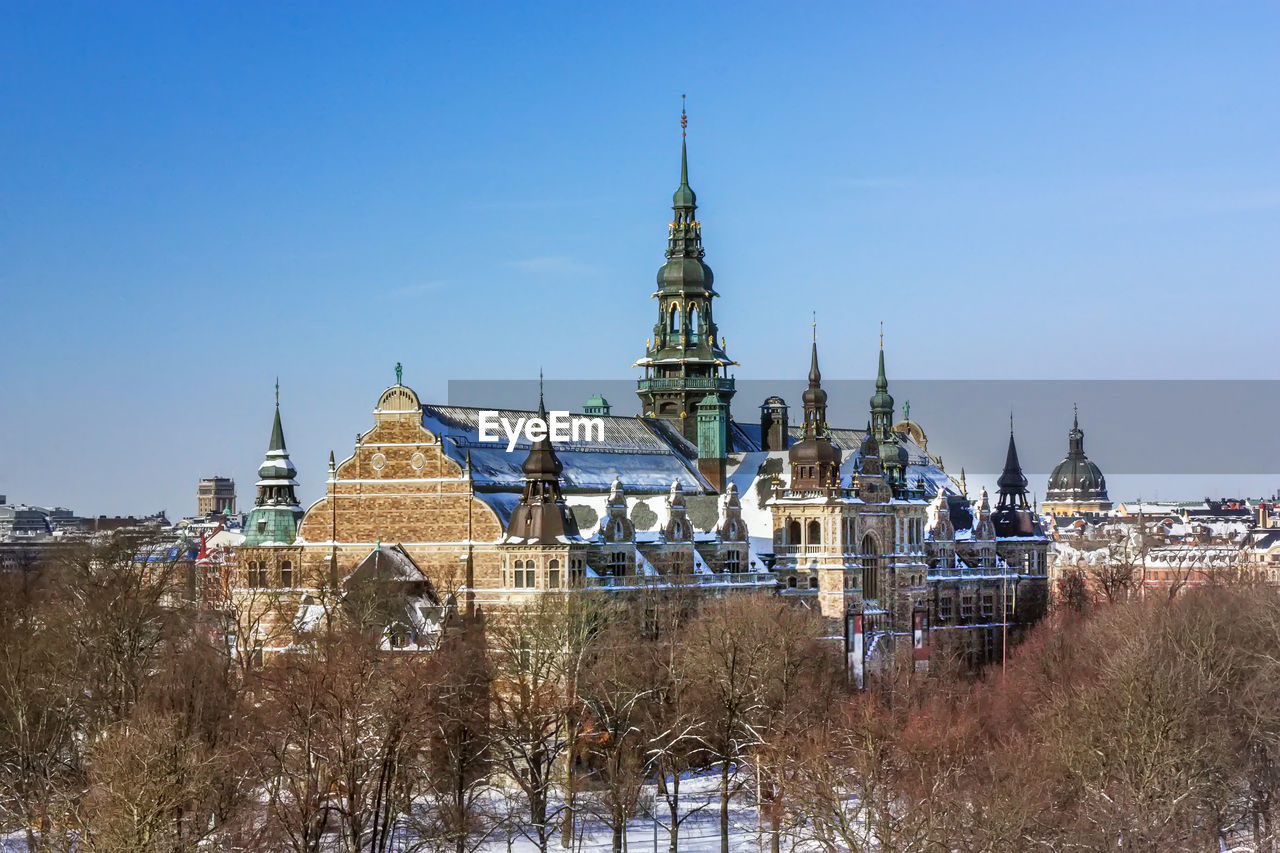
19, 522
1076, 485
216, 495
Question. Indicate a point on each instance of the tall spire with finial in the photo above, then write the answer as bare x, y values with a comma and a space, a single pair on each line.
541, 517
276, 512
1013, 516
685, 358
882, 400
815, 460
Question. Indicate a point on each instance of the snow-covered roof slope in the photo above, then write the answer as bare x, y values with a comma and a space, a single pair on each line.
644, 453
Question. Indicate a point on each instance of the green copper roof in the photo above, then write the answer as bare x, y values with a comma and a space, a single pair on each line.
272, 524
277, 433
684, 198
881, 400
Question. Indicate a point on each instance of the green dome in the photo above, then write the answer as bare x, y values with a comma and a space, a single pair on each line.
684, 196
684, 273
596, 401
891, 453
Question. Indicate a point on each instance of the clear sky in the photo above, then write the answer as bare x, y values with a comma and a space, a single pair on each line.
196, 198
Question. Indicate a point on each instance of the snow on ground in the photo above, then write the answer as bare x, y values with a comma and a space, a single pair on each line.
699, 832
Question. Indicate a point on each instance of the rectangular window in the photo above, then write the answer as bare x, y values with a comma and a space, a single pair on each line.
553, 578
988, 605
966, 608
946, 608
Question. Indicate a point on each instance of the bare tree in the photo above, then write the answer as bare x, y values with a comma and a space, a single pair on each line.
538, 655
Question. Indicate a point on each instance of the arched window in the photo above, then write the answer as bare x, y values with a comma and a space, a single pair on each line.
815, 533
793, 532
286, 574
791, 582
813, 582
553, 574
870, 568
675, 319
692, 325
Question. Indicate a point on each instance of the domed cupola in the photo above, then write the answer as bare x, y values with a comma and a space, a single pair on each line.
1076, 479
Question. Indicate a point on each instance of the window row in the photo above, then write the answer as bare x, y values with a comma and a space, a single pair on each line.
524, 573
259, 574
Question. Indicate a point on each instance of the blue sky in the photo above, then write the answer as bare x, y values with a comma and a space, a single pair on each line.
197, 198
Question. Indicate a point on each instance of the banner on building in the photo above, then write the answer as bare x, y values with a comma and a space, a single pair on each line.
854, 648
920, 638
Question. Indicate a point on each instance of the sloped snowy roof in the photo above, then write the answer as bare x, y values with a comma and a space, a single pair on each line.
644, 453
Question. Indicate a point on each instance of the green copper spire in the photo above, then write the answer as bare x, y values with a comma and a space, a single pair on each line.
685, 359
277, 431
275, 516
882, 400
685, 201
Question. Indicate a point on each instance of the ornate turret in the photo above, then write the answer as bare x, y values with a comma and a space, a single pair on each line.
1076, 484
685, 360
617, 527
542, 517
982, 526
1013, 515
815, 459
275, 515
730, 526
679, 528
940, 527
882, 402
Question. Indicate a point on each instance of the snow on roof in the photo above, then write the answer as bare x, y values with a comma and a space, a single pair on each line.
644, 453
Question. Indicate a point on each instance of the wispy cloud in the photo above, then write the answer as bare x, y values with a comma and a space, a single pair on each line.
409, 291
551, 265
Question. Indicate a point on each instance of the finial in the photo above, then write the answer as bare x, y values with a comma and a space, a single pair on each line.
277, 392
1011, 422
684, 119
399, 373
882, 334
815, 326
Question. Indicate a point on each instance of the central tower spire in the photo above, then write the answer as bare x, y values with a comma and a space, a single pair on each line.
684, 361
